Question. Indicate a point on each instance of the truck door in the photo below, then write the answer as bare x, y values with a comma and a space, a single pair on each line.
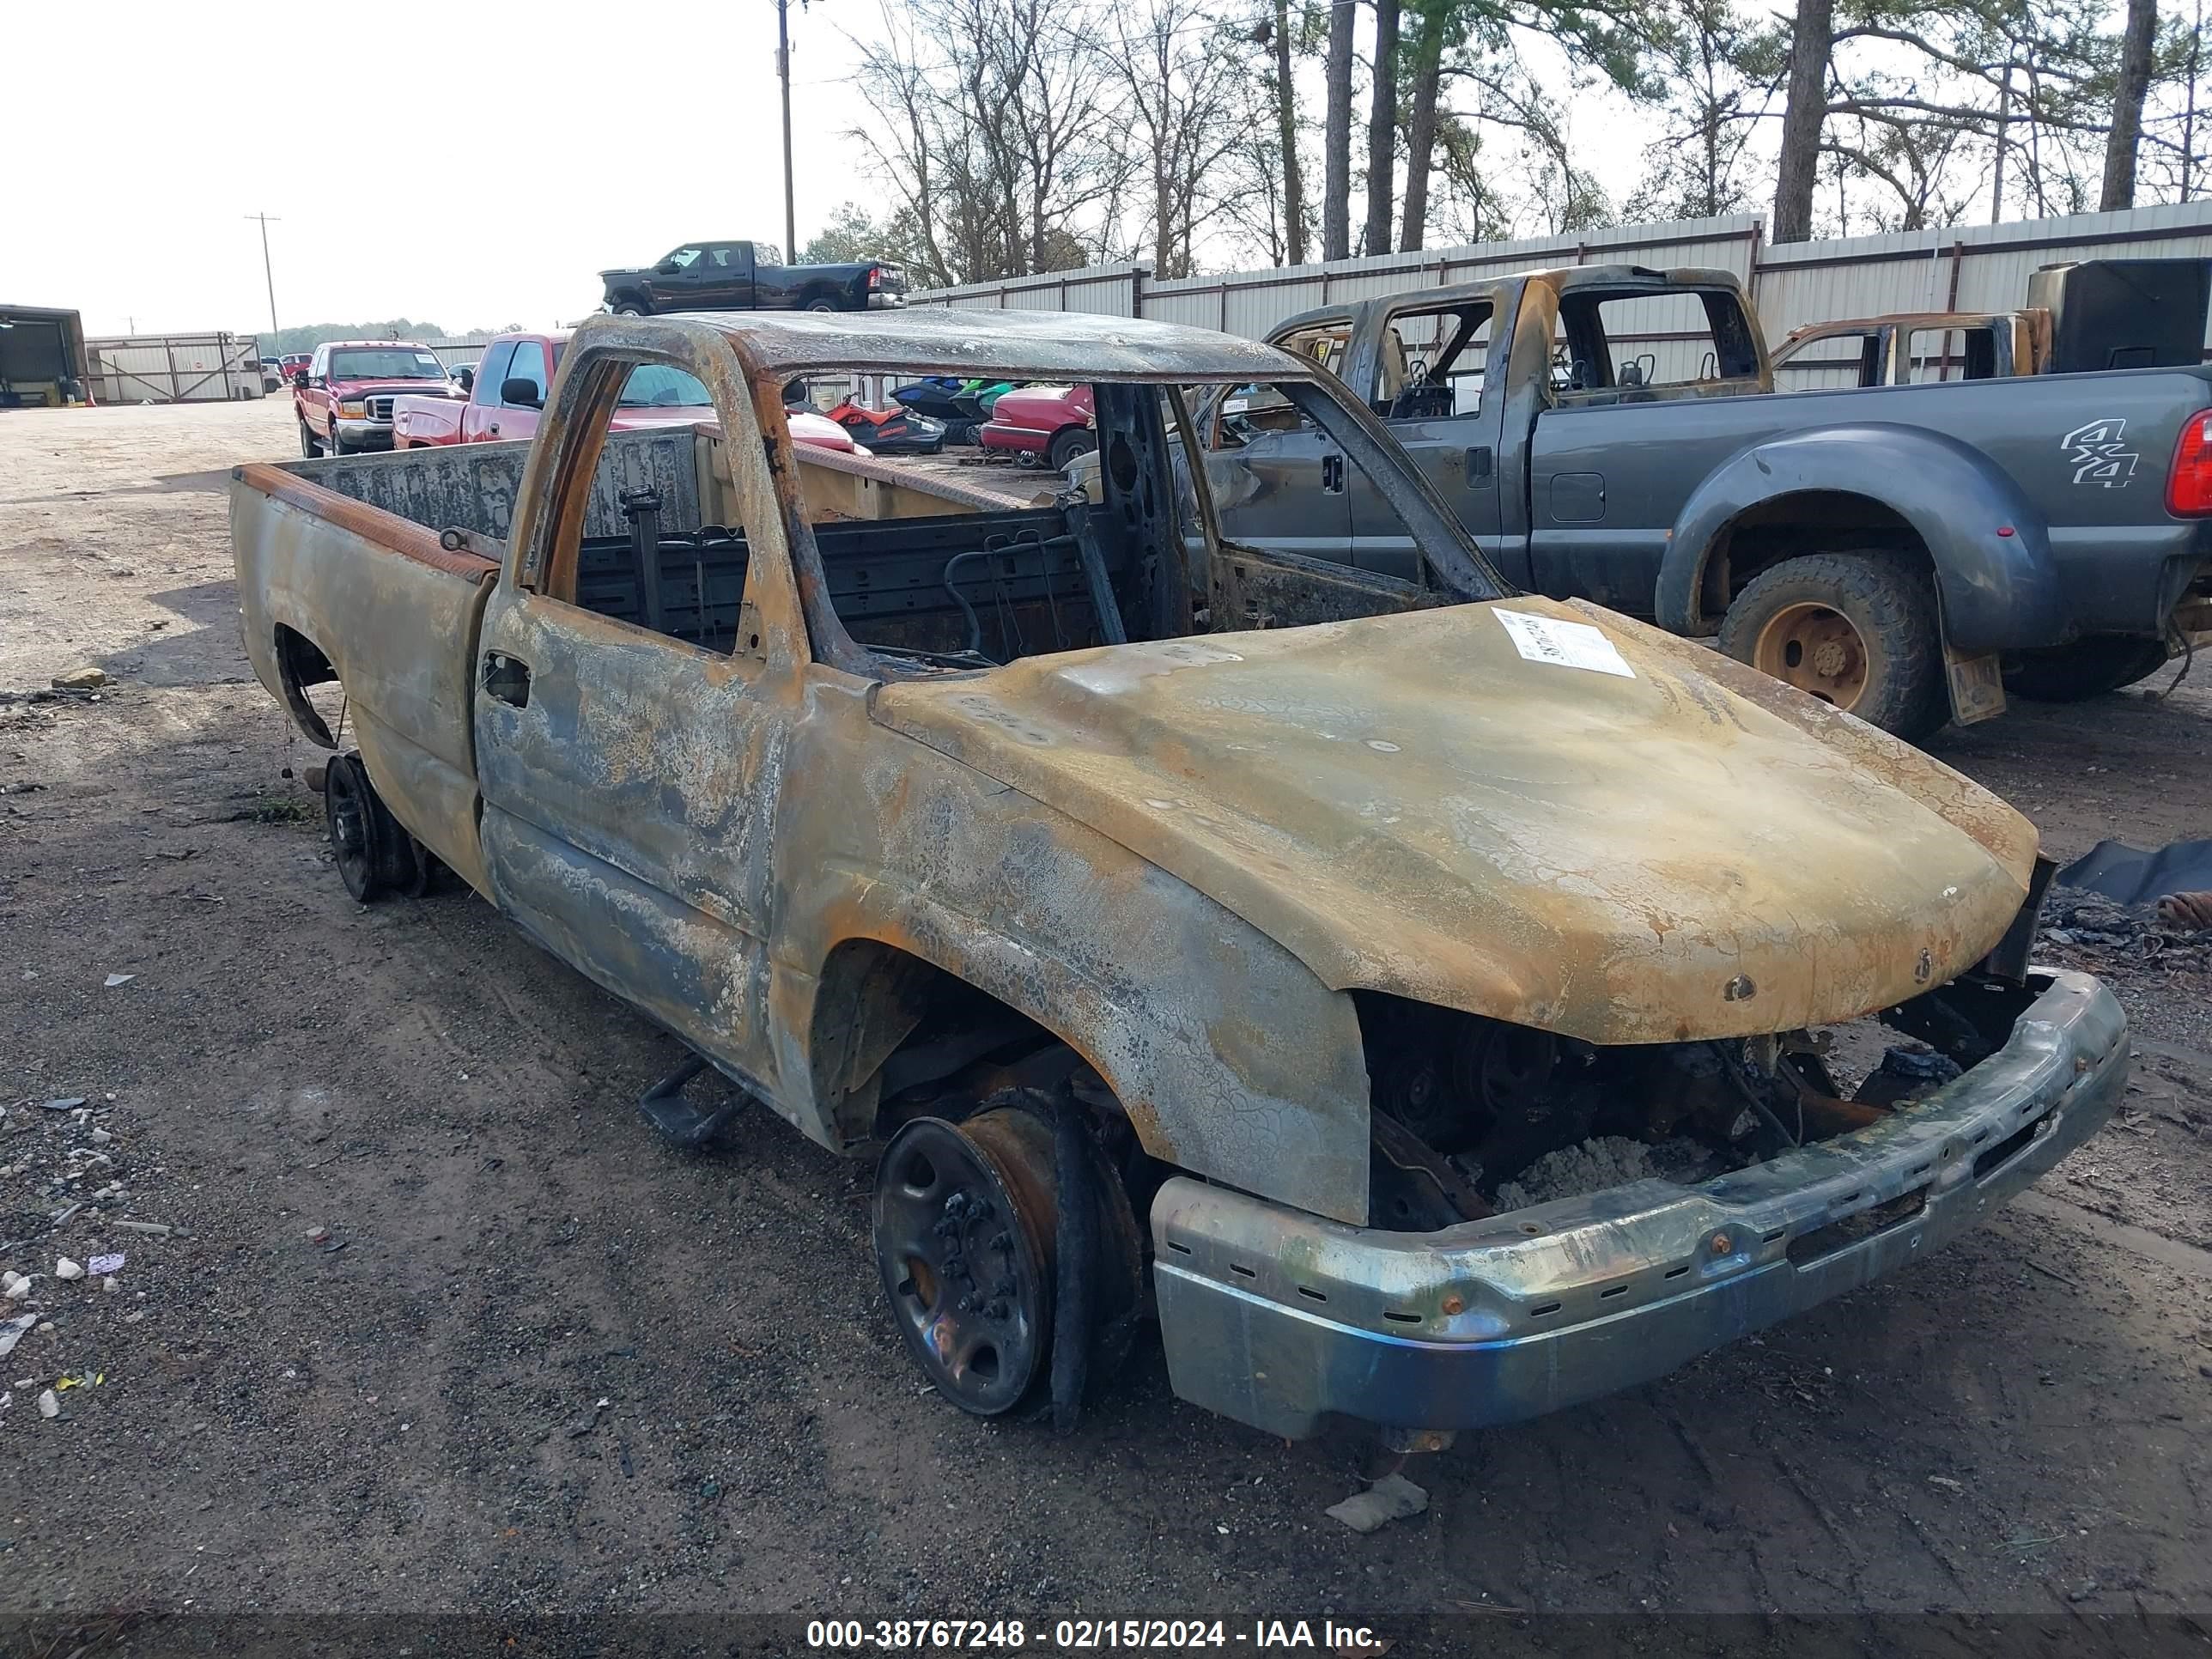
520, 394
1278, 481
1426, 377
480, 415
726, 281
629, 747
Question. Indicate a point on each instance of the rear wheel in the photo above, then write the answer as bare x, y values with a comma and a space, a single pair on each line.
1858, 630
821, 305
373, 854
2087, 668
1068, 445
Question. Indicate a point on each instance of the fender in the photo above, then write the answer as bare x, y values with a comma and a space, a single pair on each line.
1999, 591
1231, 1060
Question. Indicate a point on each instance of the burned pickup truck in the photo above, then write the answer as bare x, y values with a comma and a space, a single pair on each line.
1224, 939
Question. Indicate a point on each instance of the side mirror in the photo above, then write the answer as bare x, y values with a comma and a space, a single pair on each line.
521, 393
668, 267
298, 377
316, 382
467, 378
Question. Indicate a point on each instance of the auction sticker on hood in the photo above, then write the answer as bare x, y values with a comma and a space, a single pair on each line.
1568, 644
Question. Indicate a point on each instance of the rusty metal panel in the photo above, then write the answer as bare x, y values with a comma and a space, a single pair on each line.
1410, 806
472, 486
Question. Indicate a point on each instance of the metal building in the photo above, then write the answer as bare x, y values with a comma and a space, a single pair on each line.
42, 355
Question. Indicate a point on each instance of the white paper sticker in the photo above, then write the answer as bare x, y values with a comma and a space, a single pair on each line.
1567, 644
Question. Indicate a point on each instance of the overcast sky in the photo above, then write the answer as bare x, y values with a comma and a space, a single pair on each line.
481, 182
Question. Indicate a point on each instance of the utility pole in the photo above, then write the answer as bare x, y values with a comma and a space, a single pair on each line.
270, 275
783, 72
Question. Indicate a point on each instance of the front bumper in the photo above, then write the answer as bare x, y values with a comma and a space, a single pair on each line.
365, 435
1281, 1319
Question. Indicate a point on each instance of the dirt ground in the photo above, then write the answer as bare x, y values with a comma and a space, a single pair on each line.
542, 1363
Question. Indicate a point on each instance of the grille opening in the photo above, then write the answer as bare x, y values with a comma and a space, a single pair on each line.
1548, 1307
1768, 1238
1312, 1294
1611, 1290
1824, 1242
2010, 1147
1676, 1273
1243, 1272
1180, 1249
1401, 1318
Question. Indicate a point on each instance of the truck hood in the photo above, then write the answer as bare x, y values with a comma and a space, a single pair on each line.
1684, 849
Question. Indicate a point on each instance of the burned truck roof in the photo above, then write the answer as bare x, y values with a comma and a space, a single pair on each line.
1006, 344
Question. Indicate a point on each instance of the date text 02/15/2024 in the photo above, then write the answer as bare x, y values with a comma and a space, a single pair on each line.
1078, 1635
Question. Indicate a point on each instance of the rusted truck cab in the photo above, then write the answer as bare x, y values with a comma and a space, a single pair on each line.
1192, 931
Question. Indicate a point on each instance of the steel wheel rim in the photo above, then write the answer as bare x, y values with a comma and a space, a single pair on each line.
960, 1228
1816, 648
347, 813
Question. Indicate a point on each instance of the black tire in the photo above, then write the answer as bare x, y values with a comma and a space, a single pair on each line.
628, 308
2087, 668
1067, 445
821, 305
1871, 623
334, 445
307, 446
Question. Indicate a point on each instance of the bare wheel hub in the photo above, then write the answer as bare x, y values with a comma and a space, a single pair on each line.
964, 1221
1816, 648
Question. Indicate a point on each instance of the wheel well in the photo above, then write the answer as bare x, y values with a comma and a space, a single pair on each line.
891, 1030
1789, 526
300, 664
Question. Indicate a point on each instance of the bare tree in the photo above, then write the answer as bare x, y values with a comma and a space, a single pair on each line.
1336, 140
1382, 128
1286, 125
1812, 41
1184, 92
995, 132
2138, 38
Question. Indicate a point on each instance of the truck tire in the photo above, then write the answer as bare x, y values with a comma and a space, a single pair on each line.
1067, 445
627, 308
373, 854
307, 442
821, 305
1859, 630
2087, 668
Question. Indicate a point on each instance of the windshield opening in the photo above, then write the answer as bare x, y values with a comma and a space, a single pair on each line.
1098, 532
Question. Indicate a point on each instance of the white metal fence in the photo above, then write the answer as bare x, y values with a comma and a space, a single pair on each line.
174, 368
1968, 268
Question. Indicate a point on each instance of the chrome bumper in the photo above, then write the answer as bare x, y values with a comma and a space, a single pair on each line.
1281, 1319
365, 435
878, 301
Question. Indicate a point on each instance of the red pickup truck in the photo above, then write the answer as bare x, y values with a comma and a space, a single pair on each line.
507, 389
345, 399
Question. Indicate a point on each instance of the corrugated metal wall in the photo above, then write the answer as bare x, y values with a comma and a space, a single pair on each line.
1970, 268
174, 368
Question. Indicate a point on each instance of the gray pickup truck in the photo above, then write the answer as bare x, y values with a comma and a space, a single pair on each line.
1225, 962
1905, 553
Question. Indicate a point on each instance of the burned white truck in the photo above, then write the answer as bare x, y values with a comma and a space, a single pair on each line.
1195, 933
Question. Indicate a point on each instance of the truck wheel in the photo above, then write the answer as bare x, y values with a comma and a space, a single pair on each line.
630, 308
1068, 445
1010, 1277
2087, 668
1859, 630
373, 854
821, 305
307, 442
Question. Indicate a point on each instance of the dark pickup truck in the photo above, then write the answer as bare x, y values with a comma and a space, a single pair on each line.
1905, 553
729, 277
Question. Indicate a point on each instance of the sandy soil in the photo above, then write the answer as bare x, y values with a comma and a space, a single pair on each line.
411, 1421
